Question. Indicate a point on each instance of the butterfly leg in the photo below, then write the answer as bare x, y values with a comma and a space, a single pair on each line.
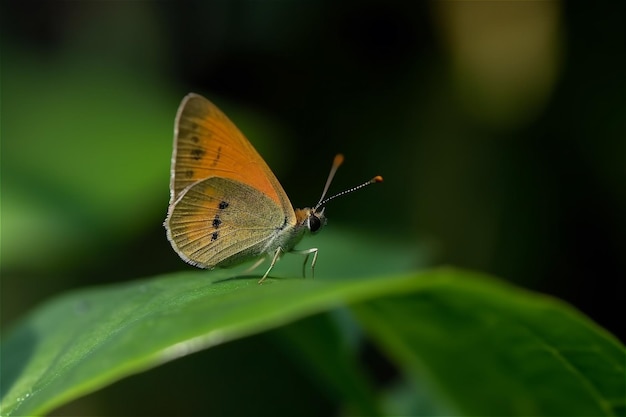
308, 252
306, 258
275, 259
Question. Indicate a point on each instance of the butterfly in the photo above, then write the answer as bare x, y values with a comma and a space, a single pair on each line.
226, 206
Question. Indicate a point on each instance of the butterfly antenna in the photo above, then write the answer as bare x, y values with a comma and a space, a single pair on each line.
336, 164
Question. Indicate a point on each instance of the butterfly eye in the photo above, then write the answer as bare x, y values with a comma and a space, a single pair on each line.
314, 223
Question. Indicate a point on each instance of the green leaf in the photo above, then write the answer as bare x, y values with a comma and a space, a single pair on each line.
323, 348
479, 346
481, 349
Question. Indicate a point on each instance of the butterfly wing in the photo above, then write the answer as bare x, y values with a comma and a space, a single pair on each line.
207, 144
220, 221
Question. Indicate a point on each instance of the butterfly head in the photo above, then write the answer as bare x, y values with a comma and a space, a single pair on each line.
313, 218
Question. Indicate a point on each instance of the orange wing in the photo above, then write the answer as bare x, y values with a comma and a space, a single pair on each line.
207, 144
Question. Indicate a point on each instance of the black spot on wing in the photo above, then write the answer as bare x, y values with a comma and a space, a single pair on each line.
197, 153
217, 157
216, 221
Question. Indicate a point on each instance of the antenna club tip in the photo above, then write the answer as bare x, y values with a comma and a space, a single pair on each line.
377, 178
338, 160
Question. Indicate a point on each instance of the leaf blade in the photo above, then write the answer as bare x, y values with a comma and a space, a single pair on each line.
510, 355
87, 339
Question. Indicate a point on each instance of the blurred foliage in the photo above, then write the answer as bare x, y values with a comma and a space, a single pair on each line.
499, 128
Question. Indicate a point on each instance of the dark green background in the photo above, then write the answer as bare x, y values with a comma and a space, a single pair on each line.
500, 130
